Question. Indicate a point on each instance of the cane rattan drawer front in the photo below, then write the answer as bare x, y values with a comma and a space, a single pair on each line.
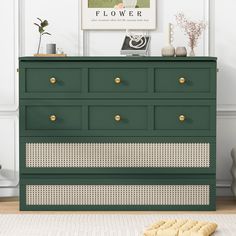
118, 80
118, 117
53, 117
121, 193
53, 80
186, 80
118, 155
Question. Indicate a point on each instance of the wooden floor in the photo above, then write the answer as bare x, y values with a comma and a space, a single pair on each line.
224, 206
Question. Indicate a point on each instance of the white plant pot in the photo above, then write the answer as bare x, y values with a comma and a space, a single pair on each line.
130, 3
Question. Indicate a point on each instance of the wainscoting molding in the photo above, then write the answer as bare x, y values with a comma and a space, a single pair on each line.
13, 81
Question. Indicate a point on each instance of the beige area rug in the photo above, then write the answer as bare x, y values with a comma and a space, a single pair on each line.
98, 224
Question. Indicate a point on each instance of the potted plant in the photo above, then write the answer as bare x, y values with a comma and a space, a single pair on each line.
192, 29
41, 29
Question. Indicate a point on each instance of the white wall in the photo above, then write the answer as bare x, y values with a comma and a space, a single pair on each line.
9, 157
64, 19
225, 49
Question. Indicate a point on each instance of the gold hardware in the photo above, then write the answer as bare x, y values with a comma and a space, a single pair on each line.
117, 118
53, 80
117, 80
182, 80
182, 118
53, 118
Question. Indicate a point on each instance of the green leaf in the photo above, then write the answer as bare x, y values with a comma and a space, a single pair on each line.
41, 30
39, 19
46, 33
44, 23
37, 24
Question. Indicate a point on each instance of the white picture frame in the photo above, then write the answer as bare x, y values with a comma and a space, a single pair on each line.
118, 17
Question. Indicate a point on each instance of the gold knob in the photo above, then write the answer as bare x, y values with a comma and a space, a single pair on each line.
117, 80
182, 80
182, 118
53, 118
53, 80
117, 118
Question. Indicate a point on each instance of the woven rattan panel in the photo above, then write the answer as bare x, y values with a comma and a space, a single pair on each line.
117, 194
118, 155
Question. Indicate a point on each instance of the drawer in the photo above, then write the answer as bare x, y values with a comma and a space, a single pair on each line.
109, 155
118, 80
53, 80
185, 81
111, 192
184, 118
118, 117
53, 117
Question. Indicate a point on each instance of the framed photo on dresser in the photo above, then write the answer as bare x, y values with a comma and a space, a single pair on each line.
118, 14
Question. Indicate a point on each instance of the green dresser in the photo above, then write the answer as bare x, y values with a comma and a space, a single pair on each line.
117, 133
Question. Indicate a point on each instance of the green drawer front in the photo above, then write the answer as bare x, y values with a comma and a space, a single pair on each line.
118, 80
64, 80
118, 117
53, 117
98, 118
118, 193
183, 80
183, 117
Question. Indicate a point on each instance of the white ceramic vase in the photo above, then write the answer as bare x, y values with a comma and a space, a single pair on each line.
130, 3
168, 51
181, 52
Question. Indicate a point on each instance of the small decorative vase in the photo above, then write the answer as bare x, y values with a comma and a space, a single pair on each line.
168, 51
192, 53
51, 48
181, 52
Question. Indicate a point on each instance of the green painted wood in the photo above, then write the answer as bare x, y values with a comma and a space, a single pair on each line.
197, 80
38, 80
132, 118
102, 80
135, 117
139, 79
197, 117
119, 180
121, 58
67, 117
149, 99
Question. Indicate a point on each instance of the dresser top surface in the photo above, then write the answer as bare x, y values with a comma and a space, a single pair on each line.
120, 58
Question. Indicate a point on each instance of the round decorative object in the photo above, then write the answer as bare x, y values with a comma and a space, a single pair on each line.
53, 118
181, 52
182, 118
168, 51
137, 41
117, 118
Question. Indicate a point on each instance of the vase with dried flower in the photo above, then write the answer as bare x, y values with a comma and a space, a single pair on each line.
192, 29
41, 28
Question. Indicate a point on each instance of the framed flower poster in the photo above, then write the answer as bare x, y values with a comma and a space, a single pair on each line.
118, 14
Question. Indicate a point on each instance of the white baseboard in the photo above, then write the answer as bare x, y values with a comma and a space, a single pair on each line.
9, 192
